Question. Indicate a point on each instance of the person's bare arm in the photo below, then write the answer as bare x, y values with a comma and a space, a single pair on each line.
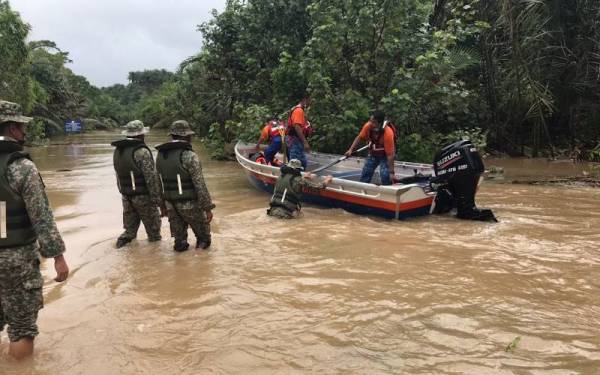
352, 147
300, 135
260, 140
311, 180
390, 161
61, 267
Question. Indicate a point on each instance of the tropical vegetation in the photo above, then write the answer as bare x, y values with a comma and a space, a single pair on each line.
519, 76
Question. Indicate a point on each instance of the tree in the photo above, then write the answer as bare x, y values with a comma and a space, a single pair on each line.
14, 81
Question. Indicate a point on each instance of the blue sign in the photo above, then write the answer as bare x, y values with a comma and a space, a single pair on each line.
73, 126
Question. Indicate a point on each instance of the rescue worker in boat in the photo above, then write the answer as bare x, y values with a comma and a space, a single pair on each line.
138, 184
274, 134
298, 131
285, 202
27, 230
381, 135
187, 198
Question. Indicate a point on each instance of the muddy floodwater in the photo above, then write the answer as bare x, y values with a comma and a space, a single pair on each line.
332, 293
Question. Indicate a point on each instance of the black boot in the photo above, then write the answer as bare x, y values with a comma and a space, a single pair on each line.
204, 244
122, 241
154, 239
181, 246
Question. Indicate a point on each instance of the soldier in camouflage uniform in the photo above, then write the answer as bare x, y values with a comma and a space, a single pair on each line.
138, 184
187, 199
27, 230
285, 202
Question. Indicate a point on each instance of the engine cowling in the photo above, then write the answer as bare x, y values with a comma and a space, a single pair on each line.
458, 168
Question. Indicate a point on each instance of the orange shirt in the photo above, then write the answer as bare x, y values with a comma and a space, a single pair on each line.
264, 134
388, 137
298, 117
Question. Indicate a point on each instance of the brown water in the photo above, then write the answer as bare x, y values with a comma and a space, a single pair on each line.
332, 293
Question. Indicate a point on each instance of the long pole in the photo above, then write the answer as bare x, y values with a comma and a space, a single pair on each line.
338, 160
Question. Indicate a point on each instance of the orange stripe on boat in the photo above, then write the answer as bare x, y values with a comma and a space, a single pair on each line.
357, 200
425, 202
368, 202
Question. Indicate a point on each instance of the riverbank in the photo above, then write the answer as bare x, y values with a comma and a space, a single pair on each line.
527, 171
572, 182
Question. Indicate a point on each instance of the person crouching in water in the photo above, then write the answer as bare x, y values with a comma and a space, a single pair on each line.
274, 134
285, 202
138, 184
187, 199
381, 136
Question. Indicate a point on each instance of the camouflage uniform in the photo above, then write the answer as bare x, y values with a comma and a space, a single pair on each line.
142, 208
190, 212
296, 184
20, 278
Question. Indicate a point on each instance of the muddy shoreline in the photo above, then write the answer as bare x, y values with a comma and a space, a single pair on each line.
563, 181
544, 172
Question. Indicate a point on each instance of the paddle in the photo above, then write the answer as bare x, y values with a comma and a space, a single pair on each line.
338, 160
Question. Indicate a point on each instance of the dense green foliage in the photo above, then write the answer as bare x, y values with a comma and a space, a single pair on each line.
520, 76
143, 97
541, 71
35, 75
14, 82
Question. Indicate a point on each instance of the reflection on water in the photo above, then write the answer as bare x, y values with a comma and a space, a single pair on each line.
330, 293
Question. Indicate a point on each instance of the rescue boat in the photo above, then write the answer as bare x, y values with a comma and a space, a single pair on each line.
410, 196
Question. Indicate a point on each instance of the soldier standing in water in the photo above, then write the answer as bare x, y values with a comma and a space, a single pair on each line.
27, 230
187, 198
138, 184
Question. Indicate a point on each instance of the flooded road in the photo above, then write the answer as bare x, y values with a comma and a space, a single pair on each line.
332, 293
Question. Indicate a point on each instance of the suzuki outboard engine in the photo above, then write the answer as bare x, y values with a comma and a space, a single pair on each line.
457, 170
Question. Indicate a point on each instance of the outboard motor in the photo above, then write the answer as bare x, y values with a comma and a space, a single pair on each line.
457, 170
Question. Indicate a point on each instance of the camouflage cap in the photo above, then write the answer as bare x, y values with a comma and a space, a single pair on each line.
296, 164
11, 112
134, 128
181, 128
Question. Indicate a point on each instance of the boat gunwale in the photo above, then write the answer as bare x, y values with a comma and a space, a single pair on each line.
386, 189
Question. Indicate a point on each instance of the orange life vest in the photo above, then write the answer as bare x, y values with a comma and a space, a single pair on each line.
276, 129
376, 139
